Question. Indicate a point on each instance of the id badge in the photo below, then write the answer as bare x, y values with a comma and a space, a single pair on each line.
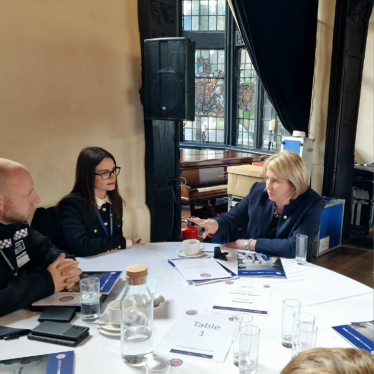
22, 259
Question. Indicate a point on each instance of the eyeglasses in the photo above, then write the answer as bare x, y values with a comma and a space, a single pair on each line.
108, 174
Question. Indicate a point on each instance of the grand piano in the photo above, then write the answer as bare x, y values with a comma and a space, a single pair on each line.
204, 177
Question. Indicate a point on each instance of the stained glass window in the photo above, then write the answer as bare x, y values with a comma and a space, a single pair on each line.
204, 15
209, 98
246, 101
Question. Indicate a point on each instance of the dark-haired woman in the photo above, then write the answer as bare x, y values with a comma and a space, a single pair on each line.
91, 215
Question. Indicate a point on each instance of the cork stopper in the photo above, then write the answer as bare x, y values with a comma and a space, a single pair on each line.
137, 271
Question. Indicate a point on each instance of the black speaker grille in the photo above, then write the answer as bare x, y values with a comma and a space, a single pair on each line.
169, 72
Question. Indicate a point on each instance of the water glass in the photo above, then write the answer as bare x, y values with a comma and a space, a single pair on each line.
305, 337
290, 307
239, 320
301, 248
249, 339
90, 299
300, 317
157, 365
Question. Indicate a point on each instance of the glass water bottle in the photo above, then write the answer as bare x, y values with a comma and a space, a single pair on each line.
136, 317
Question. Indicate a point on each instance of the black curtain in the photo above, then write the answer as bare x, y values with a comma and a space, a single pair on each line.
280, 36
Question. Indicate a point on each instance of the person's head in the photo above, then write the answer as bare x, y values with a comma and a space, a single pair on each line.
286, 176
331, 361
17, 195
96, 176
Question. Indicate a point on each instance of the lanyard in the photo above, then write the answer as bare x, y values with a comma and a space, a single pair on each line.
102, 222
7, 260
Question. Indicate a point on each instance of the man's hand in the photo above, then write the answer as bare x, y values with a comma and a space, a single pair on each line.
210, 225
67, 276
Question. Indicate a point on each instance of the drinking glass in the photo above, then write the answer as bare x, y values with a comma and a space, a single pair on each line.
305, 337
301, 248
157, 365
90, 299
290, 307
300, 317
249, 339
239, 320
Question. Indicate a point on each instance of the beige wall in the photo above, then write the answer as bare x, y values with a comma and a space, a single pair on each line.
70, 72
364, 151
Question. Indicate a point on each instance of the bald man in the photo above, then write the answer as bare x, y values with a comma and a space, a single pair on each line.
31, 267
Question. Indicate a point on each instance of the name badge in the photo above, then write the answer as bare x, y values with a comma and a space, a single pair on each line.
22, 259
19, 247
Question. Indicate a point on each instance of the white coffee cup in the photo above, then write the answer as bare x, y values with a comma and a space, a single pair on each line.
192, 246
129, 311
114, 310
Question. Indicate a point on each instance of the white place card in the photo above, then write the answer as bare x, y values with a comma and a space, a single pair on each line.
244, 295
199, 334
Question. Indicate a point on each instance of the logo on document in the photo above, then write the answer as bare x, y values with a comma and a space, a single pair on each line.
60, 356
229, 282
266, 285
191, 312
66, 298
176, 362
205, 275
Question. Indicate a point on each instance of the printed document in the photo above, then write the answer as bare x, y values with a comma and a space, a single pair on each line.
244, 295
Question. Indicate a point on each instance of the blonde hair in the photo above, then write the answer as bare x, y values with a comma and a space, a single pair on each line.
331, 361
289, 165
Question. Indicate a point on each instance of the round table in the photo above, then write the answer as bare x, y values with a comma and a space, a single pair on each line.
331, 297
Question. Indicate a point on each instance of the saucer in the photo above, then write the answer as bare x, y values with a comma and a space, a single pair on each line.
104, 323
181, 254
109, 333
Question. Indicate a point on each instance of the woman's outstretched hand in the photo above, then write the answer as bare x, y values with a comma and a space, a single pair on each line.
210, 225
238, 244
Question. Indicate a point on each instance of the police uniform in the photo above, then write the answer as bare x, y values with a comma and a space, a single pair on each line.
256, 212
83, 230
25, 255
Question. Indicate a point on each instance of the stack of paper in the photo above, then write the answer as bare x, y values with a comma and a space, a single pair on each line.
202, 270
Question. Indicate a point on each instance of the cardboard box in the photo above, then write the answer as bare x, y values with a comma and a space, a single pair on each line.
241, 178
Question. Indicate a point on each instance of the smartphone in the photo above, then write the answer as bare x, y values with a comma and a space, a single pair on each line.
59, 333
57, 314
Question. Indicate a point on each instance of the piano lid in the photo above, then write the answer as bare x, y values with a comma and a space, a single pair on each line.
196, 158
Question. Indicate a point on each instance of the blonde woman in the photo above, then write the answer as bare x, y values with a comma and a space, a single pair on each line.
273, 212
331, 361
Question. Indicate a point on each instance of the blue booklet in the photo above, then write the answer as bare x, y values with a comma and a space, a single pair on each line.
53, 363
252, 264
359, 334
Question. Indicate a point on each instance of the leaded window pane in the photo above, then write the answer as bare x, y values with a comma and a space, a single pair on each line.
271, 140
246, 100
204, 15
203, 23
195, 8
195, 23
221, 9
209, 98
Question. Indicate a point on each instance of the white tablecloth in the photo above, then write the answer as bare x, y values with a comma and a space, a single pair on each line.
331, 297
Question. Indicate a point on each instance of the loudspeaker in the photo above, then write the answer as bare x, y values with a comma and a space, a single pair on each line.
169, 84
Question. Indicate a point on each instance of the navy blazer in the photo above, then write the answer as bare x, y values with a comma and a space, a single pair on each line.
256, 211
83, 230
21, 285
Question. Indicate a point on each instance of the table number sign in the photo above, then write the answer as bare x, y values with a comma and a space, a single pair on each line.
196, 334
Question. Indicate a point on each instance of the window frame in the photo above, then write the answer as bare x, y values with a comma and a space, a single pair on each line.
231, 42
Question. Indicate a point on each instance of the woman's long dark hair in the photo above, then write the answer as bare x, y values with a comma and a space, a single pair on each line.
88, 159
